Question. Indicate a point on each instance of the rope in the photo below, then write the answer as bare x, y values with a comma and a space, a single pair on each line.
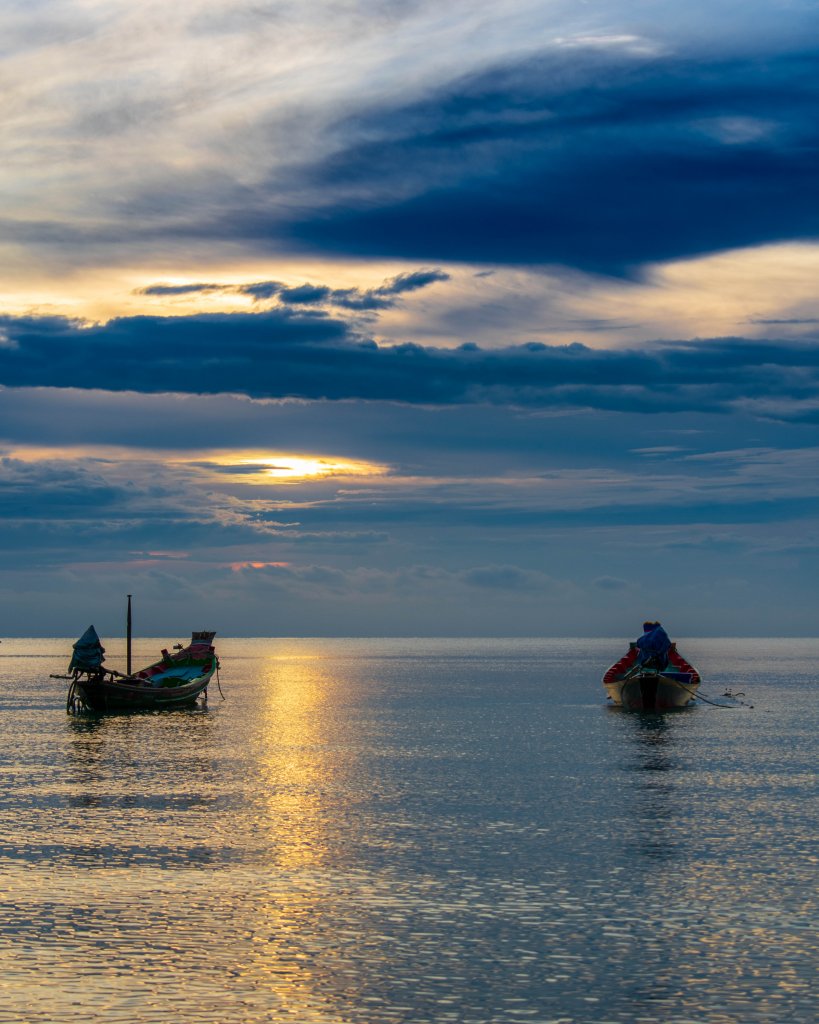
217, 680
701, 696
697, 696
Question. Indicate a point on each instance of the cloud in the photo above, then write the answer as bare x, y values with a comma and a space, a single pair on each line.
595, 160
304, 295
411, 282
504, 577
57, 502
323, 578
65, 490
311, 355
181, 289
485, 507
385, 296
519, 135
773, 322
610, 583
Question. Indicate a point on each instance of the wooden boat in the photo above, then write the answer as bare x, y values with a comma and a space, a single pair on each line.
176, 680
652, 684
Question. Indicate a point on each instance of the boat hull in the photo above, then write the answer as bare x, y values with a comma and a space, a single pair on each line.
174, 681
653, 691
122, 695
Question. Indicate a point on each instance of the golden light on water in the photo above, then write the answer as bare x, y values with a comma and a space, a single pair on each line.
296, 759
297, 826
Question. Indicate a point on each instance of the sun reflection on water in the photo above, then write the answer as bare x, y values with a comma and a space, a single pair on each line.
290, 924
296, 762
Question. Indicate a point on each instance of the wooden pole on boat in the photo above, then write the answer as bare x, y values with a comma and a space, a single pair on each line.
128, 642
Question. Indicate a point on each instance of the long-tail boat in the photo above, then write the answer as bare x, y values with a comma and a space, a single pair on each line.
174, 681
652, 675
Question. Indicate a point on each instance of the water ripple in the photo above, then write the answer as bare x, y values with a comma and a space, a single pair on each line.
369, 832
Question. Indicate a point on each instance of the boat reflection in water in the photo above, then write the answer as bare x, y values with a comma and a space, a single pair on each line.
653, 768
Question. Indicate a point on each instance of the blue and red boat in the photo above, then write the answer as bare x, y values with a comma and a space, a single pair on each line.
652, 675
174, 681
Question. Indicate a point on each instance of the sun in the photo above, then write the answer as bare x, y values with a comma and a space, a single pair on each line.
285, 467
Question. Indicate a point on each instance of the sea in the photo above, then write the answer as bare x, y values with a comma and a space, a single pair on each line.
412, 831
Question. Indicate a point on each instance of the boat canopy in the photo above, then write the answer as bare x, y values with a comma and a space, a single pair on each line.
89, 654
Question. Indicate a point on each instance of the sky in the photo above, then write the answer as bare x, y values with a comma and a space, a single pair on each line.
407, 319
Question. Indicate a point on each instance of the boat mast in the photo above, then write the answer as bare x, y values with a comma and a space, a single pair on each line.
128, 642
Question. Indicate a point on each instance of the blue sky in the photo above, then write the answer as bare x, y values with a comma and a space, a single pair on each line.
393, 319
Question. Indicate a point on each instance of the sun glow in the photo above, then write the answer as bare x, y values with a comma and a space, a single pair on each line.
239, 566
242, 466
301, 467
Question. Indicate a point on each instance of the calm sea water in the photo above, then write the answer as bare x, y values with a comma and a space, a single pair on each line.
379, 831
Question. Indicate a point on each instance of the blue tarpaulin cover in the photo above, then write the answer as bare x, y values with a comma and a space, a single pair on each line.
653, 646
89, 654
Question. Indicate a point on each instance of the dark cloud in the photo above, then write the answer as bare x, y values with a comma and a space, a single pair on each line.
311, 355
181, 289
787, 322
411, 282
385, 296
304, 295
261, 289
583, 159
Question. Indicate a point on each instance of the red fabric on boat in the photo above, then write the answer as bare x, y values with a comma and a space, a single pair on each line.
681, 665
622, 666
